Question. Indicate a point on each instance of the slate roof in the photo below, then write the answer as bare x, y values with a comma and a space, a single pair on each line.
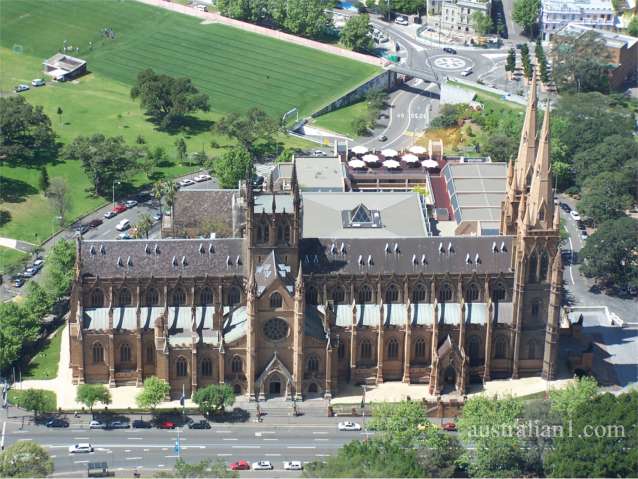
234, 323
313, 325
193, 207
269, 270
414, 255
162, 258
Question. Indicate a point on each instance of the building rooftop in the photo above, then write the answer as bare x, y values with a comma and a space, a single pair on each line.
612, 39
577, 6
194, 208
362, 215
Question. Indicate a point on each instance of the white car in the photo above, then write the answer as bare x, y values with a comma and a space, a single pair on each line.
319, 153
467, 72
201, 8
293, 465
202, 177
262, 466
186, 182
349, 426
97, 425
401, 21
80, 448
574, 214
130, 203
21, 87
37, 82
123, 225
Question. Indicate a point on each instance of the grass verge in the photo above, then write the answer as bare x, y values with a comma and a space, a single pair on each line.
44, 364
16, 396
340, 121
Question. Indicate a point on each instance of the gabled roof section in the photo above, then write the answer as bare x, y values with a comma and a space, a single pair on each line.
272, 269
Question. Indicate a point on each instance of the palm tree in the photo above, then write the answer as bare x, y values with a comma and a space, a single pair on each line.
169, 196
158, 191
144, 225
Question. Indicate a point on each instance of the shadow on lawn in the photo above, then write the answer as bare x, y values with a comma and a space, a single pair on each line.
188, 125
15, 191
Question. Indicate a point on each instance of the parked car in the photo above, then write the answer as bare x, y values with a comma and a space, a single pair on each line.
21, 87
130, 203
467, 72
119, 425
382, 138
38, 263
123, 225
262, 466
448, 426
94, 223
203, 424
565, 207
38, 82
240, 466
574, 214
81, 447
202, 177
201, 8
95, 424
57, 423
110, 214
141, 424
18, 282
124, 236
293, 465
319, 153
167, 425
81, 229
119, 208
157, 216
29, 272
449, 50
186, 182
401, 21
349, 426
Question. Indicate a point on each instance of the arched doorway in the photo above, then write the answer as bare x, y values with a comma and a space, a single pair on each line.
275, 385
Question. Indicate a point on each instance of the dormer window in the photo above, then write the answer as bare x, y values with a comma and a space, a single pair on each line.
361, 217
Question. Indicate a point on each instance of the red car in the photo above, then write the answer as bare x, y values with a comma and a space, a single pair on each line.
240, 466
119, 208
449, 426
167, 425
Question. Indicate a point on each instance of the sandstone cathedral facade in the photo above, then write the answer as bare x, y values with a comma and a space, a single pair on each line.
274, 313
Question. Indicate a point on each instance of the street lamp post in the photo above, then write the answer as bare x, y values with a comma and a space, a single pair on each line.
114, 183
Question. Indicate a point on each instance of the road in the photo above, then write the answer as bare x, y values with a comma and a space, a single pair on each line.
147, 450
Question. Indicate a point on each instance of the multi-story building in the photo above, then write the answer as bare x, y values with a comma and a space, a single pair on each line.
456, 15
316, 290
555, 14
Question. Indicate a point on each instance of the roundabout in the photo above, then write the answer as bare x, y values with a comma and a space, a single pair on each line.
450, 63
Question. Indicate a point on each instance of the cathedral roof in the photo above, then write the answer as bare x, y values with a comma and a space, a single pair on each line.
460, 254
271, 269
162, 258
189, 206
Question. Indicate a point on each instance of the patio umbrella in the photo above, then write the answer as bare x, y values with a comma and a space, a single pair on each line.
430, 164
391, 164
410, 158
370, 158
389, 153
357, 164
418, 150
359, 150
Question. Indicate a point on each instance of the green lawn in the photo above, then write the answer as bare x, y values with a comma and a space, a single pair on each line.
340, 121
9, 257
44, 365
15, 397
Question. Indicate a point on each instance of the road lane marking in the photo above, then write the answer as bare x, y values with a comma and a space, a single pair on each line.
320, 432
302, 447
146, 450
267, 439
571, 260
170, 456
272, 455
161, 465
53, 457
320, 439
322, 455
134, 438
223, 432
127, 450
133, 458
80, 462
224, 454
80, 438
230, 439
246, 447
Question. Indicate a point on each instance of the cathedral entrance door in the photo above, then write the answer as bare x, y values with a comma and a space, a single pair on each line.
275, 387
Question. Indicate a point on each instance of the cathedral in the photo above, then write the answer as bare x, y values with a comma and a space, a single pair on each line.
308, 291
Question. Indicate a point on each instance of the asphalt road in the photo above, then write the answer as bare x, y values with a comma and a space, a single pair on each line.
275, 440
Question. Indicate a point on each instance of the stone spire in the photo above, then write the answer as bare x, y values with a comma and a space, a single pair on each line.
299, 282
527, 145
540, 211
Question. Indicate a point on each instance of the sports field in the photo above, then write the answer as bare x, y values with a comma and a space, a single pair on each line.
237, 69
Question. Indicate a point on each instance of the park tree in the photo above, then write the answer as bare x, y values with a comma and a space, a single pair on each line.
17, 330
27, 137
214, 398
59, 269
581, 64
37, 401
510, 63
360, 125
248, 129
91, 394
155, 391
500, 147
615, 153
25, 459
43, 179
182, 151
168, 100
566, 401
307, 18
231, 167
144, 225
59, 195
398, 421
37, 302
60, 112
356, 34
601, 441
204, 468
481, 23
104, 159
611, 253
152, 159
377, 457
525, 14
632, 27
606, 196
286, 155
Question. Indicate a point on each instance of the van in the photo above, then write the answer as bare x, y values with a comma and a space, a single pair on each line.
123, 225
201, 8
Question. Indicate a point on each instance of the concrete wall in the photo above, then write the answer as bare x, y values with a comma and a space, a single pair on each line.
386, 80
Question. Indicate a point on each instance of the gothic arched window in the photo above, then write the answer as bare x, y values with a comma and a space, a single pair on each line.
472, 293
498, 293
419, 348
392, 294
150, 354
152, 297
236, 365
500, 348
98, 353
544, 267
206, 297
124, 297
531, 350
276, 300
342, 350
419, 294
178, 297
313, 364
365, 294
125, 353
312, 296
181, 367
536, 306
338, 295
474, 348
207, 367
234, 296
393, 349
366, 349
531, 271
445, 293
96, 298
